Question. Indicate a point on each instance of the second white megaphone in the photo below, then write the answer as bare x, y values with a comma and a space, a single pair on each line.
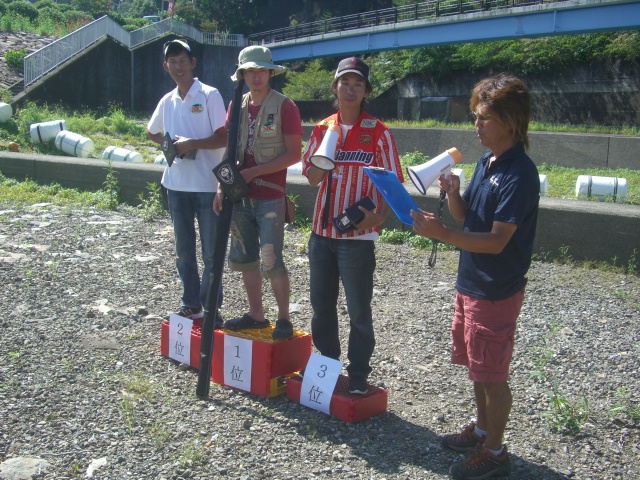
424, 175
326, 153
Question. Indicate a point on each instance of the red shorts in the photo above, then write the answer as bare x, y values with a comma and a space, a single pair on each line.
483, 335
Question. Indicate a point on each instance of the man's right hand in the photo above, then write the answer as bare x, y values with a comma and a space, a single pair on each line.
449, 184
217, 202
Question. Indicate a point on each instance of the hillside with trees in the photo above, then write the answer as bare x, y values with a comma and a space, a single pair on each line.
309, 80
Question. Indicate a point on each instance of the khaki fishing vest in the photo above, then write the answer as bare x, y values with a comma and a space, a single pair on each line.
268, 140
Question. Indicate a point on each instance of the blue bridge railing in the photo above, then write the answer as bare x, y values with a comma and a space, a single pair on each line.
395, 15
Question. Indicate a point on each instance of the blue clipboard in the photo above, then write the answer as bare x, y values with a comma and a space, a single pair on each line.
394, 193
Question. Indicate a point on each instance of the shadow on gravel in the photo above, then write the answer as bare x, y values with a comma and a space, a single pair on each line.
386, 443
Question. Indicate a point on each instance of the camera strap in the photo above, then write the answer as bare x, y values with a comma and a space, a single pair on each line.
434, 242
327, 202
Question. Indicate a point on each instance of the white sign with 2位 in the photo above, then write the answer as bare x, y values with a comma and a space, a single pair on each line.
180, 338
320, 377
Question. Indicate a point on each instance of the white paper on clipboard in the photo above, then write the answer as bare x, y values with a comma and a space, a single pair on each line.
394, 193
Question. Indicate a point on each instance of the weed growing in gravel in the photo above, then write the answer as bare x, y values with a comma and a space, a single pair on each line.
631, 268
566, 415
136, 387
543, 355
192, 454
111, 187
159, 432
398, 237
626, 405
632, 264
152, 206
74, 470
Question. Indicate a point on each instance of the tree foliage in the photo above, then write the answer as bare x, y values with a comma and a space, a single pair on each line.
312, 83
95, 8
23, 8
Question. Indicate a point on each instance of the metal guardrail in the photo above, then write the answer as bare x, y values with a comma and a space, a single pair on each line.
37, 64
46, 59
402, 14
155, 30
226, 39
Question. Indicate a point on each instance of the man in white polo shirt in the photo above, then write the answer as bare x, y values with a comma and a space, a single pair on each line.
193, 114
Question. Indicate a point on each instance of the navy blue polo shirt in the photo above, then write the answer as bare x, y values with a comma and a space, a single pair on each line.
508, 192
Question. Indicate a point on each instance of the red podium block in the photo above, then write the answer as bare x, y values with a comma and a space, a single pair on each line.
273, 363
196, 333
344, 405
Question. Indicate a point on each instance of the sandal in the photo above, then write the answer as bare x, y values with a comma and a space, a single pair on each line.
244, 322
283, 330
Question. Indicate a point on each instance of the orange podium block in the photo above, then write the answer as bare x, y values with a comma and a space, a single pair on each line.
273, 361
344, 405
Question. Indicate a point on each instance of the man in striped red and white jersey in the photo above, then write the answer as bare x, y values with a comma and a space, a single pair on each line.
363, 141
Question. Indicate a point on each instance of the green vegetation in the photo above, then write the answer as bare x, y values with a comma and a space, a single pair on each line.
626, 406
28, 191
44, 17
564, 414
111, 127
521, 57
308, 81
153, 206
534, 126
15, 57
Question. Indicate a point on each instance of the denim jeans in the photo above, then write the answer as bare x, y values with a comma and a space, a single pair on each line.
184, 208
257, 237
353, 262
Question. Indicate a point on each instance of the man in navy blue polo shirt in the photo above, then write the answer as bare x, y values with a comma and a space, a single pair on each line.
499, 212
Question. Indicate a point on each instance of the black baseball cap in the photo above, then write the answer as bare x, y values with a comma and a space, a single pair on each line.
353, 65
175, 46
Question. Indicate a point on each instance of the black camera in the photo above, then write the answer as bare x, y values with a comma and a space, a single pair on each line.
346, 221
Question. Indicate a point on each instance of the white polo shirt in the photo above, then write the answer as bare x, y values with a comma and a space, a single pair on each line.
200, 114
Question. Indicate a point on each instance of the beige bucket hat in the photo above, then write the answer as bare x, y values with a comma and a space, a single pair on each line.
256, 57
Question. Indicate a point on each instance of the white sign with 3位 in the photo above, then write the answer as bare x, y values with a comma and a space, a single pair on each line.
238, 355
319, 381
180, 338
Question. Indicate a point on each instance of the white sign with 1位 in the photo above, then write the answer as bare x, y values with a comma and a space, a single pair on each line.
238, 353
319, 381
180, 338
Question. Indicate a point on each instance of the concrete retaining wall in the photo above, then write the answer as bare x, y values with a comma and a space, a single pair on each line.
591, 230
573, 150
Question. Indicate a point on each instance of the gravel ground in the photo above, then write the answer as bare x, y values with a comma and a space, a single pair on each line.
85, 392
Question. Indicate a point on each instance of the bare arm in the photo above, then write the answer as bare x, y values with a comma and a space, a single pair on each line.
293, 145
315, 175
217, 139
428, 225
155, 137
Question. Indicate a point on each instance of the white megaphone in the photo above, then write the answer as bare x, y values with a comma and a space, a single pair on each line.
325, 155
424, 175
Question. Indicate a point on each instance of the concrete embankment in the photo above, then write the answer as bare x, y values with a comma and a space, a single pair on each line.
590, 230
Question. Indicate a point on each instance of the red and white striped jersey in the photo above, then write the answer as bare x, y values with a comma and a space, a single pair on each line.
369, 143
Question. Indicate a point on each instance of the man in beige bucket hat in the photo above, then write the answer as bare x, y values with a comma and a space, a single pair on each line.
269, 141
256, 57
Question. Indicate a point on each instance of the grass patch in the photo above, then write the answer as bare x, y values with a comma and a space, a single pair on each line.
533, 127
626, 405
109, 127
30, 192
